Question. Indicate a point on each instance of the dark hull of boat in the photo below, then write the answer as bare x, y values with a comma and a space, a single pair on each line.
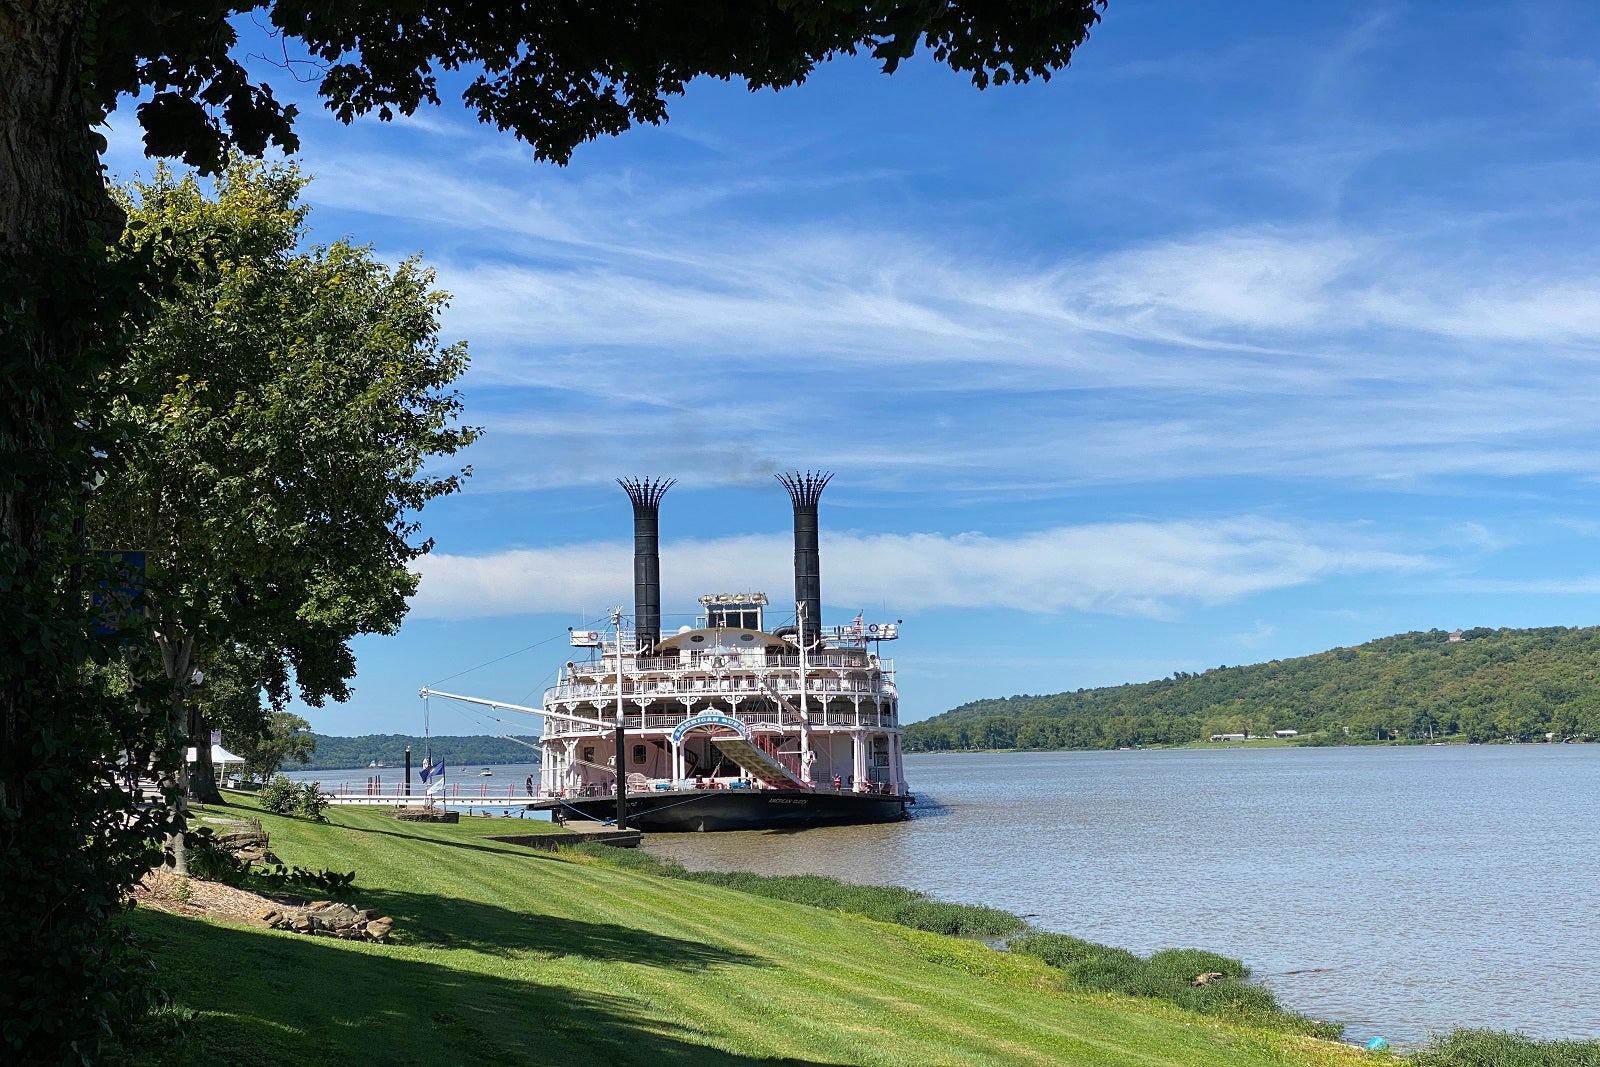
744, 809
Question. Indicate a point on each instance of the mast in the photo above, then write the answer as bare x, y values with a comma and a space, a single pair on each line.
805, 713
622, 767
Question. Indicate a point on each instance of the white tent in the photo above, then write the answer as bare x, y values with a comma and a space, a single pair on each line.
219, 756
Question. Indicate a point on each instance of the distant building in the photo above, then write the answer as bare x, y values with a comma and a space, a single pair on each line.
1457, 635
1286, 733
1228, 737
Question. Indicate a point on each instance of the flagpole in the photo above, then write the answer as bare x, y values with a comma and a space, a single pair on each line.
622, 769
427, 758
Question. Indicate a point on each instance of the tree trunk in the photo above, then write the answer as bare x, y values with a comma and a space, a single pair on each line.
203, 773
72, 839
55, 219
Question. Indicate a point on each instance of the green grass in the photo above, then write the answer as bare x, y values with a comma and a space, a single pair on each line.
885, 903
1489, 1048
513, 956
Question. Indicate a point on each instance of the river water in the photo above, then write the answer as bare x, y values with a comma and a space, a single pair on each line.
1397, 890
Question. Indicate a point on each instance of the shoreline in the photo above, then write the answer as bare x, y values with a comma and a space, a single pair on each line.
619, 966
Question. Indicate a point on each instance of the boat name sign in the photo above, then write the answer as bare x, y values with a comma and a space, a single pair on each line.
710, 720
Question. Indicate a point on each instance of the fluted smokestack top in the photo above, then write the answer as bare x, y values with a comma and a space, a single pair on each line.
805, 489
646, 494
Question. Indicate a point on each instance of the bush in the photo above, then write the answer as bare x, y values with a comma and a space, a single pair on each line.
285, 798
310, 804
210, 861
280, 795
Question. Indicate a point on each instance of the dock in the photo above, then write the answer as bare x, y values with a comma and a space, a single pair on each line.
588, 833
391, 800
586, 830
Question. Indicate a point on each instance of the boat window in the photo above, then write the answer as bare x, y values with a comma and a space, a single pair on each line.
638, 753
734, 618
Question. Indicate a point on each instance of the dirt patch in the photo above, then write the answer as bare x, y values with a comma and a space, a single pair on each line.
165, 891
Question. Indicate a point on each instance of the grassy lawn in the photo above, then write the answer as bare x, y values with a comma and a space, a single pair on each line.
515, 956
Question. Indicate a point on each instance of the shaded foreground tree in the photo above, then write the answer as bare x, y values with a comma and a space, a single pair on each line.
555, 74
271, 420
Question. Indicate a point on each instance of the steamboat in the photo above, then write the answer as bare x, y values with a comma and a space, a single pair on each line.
731, 723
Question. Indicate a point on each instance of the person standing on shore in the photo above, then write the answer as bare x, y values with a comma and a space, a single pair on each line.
530, 785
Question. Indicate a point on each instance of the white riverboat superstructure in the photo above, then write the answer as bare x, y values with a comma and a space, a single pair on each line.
729, 704
729, 723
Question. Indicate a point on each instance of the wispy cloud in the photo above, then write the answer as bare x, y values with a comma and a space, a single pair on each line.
1144, 569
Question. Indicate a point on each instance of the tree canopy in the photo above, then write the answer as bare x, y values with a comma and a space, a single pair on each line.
272, 420
555, 74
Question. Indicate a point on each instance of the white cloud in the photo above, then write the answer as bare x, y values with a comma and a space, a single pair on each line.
1128, 568
1249, 280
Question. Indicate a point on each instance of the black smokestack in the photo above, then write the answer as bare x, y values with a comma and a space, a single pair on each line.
805, 489
646, 494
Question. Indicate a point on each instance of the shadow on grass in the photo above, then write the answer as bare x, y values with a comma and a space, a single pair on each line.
475, 844
273, 999
432, 920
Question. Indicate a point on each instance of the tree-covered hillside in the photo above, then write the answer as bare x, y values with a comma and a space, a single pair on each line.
1485, 685
390, 749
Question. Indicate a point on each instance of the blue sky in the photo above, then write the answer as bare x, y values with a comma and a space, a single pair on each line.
1261, 330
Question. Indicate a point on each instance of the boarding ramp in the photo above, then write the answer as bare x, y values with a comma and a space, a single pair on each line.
763, 764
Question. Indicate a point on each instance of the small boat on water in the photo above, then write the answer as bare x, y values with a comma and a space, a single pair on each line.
486, 773
730, 723
376, 764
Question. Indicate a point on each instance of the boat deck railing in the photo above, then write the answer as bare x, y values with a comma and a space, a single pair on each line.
868, 718
701, 687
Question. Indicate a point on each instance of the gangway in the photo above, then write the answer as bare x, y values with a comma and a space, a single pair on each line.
764, 766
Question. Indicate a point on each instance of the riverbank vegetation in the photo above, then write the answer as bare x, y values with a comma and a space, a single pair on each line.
504, 954
1490, 1048
1475, 685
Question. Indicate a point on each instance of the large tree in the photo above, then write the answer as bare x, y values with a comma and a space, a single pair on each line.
554, 73
273, 419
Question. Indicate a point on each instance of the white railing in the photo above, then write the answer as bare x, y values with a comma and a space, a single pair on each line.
842, 717
702, 687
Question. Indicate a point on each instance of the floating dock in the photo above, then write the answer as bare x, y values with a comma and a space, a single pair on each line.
589, 833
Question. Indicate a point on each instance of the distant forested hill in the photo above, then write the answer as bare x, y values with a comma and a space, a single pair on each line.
1486, 685
334, 753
